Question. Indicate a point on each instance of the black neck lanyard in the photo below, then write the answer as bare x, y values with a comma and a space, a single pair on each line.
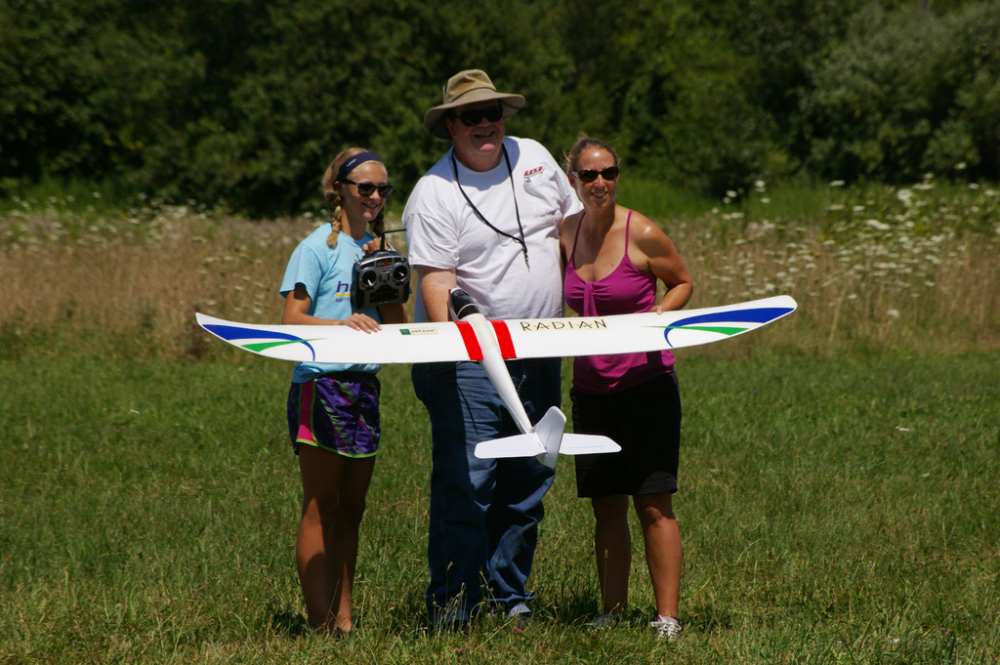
517, 211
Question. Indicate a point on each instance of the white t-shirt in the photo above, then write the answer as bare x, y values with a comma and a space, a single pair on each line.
443, 231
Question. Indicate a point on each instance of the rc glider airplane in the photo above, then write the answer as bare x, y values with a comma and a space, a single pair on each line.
470, 336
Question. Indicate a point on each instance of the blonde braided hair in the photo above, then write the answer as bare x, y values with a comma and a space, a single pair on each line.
331, 193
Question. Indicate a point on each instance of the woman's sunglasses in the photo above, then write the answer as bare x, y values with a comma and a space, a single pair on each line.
368, 188
590, 175
473, 117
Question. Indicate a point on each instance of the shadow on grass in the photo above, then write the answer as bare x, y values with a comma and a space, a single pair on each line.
570, 608
290, 624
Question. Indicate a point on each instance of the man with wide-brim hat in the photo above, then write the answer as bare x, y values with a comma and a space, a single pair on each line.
465, 88
485, 218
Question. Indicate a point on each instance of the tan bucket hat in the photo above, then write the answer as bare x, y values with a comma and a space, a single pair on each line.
468, 87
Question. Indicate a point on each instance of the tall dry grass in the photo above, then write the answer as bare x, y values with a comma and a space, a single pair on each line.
885, 267
903, 269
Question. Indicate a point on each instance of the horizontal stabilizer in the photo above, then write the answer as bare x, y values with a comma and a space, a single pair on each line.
586, 444
520, 445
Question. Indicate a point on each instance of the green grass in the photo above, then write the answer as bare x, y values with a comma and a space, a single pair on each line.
833, 510
660, 200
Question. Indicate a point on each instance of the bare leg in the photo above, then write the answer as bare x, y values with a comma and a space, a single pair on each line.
334, 489
664, 554
613, 546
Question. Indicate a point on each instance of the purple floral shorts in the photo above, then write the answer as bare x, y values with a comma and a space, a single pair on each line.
337, 412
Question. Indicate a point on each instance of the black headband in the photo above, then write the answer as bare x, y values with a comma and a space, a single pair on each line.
352, 163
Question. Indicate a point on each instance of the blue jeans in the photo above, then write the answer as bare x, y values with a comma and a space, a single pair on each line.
484, 512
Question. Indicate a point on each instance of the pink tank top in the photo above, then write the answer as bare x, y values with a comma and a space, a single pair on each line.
624, 291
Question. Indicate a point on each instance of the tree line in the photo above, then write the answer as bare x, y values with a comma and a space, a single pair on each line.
242, 103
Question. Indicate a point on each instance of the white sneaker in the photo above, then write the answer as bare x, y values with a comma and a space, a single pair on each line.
667, 628
520, 615
604, 621
519, 609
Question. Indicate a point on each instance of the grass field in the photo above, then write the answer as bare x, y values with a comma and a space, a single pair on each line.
833, 510
839, 492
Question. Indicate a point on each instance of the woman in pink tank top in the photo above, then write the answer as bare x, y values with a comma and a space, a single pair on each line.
613, 258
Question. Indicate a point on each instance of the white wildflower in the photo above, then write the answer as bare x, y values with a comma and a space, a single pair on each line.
837, 183
877, 225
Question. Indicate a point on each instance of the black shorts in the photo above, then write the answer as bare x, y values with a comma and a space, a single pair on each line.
646, 422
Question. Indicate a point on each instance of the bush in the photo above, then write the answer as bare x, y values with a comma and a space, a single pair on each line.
909, 91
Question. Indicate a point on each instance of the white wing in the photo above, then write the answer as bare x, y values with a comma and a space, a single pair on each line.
517, 338
631, 333
423, 342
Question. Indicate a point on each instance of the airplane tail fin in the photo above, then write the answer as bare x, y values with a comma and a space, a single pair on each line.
546, 440
549, 431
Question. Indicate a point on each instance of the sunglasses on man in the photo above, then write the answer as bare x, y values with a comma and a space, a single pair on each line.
473, 117
590, 175
368, 188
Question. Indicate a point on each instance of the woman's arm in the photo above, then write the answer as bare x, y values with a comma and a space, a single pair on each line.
297, 314
660, 257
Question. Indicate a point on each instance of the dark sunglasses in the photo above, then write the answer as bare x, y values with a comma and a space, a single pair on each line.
473, 117
590, 175
368, 188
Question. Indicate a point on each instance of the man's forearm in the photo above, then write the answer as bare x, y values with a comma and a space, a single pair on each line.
434, 287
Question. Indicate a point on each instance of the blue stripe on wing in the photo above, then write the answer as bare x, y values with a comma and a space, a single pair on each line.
757, 315
236, 333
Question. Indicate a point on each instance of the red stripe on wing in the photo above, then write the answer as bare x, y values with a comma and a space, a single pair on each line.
470, 339
503, 338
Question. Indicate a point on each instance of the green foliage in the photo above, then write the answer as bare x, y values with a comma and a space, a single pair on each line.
667, 88
242, 103
910, 92
88, 87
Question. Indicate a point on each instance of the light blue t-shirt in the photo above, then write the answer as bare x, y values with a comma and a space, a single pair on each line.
328, 276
